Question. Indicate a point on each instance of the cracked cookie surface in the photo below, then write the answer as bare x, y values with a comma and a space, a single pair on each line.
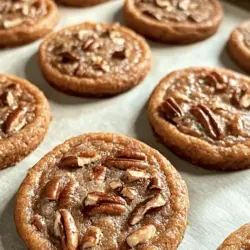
102, 191
95, 59
24, 119
202, 114
174, 21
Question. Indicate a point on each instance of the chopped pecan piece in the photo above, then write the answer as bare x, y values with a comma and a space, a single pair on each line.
241, 98
69, 195
116, 38
8, 24
91, 44
142, 235
92, 238
82, 34
152, 14
237, 126
134, 175
100, 64
163, 3
155, 183
216, 80
151, 203
183, 4
99, 174
131, 154
69, 57
65, 228
123, 163
53, 188
116, 185
16, 120
207, 119
8, 98
129, 193
39, 223
171, 109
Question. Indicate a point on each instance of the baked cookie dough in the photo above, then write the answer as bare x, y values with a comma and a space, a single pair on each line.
174, 21
238, 240
93, 59
24, 21
24, 119
103, 191
81, 3
239, 46
202, 114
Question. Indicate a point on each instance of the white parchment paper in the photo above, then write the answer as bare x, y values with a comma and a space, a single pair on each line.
220, 202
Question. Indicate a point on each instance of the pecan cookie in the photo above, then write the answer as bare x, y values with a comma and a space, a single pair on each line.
24, 21
239, 46
24, 119
81, 3
202, 114
102, 191
238, 240
174, 21
93, 59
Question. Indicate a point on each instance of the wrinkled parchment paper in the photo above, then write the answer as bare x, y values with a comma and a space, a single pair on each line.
220, 202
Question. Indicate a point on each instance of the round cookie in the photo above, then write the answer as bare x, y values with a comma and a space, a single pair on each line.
23, 21
24, 119
238, 240
239, 46
81, 3
178, 22
202, 115
104, 191
93, 59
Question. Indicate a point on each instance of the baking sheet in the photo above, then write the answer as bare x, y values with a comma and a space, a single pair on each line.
220, 202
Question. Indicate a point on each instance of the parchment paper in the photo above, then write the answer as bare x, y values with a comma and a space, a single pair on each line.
220, 202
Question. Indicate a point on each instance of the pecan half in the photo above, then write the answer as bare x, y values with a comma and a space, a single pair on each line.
116, 185
39, 223
129, 193
53, 189
91, 238
107, 209
241, 98
155, 183
99, 174
237, 126
134, 175
131, 154
216, 80
16, 120
207, 119
69, 195
69, 57
171, 109
65, 228
151, 203
142, 235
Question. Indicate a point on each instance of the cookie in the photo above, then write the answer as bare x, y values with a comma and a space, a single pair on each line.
24, 21
178, 22
239, 46
81, 3
24, 119
202, 114
94, 59
103, 191
238, 240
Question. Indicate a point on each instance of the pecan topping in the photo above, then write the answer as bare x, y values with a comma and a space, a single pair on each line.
142, 235
184, 4
16, 120
91, 44
207, 119
82, 34
218, 81
155, 183
116, 185
131, 154
107, 209
69, 195
99, 174
151, 203
100, 64
152, 14
237, 126
241, 98
54, 188
39, 223
69, 57
129, 193
163, 4
92, 238
8, 24
8, 98
65, 228
133, 175
171, 109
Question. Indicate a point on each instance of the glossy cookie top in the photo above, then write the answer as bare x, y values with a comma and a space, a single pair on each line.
208, 104
106, 192
17, 107
93, 50
17, 13
191, 11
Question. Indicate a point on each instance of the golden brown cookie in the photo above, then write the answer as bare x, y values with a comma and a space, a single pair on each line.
104, 191
24, 119
24, 21
239, 46
93, 59
81, 3
174, 21
202, 114
238, 240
